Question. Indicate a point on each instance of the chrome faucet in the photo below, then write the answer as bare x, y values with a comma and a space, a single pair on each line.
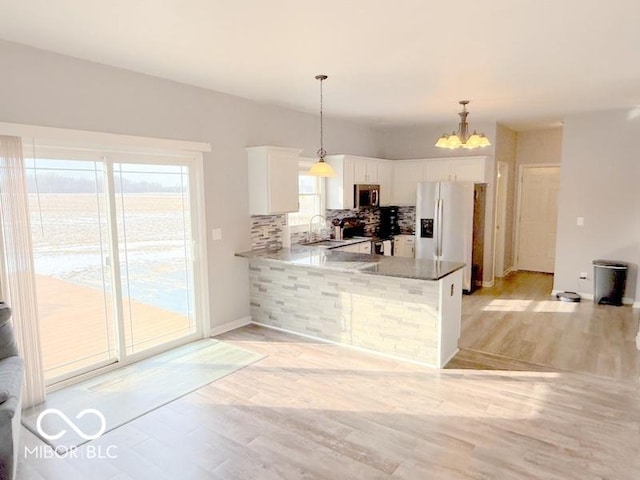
310, 237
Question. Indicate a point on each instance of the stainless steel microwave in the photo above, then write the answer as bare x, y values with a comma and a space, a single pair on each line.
366, 195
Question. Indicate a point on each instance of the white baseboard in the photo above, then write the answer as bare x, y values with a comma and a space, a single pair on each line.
488, 284
227, 327
589, 296
352, 347
506, 272
450, 357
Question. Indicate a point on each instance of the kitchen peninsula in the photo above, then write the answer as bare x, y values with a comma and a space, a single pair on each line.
402, 307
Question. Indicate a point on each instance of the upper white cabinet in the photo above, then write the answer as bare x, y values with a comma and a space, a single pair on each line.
455, 169
470, 169
437, 170
406, 175
273, 180
385, 180
340, 188
351, 170
365, 170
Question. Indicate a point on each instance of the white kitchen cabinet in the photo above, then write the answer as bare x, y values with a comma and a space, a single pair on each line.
340, 188
364, 247
273, 180
355, 248
470, 169
385, 180
351, 170
404, 246
365, 170
406, 175
438, 171
361, 247
455, 169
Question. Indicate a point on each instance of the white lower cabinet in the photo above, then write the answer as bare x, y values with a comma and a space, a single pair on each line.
404, 246
362, 247
365, 247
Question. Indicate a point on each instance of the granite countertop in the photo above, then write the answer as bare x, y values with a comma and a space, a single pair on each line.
308, 256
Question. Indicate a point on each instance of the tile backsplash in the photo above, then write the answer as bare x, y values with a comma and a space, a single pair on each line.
265, 228
370, 217
271, 227
407, 219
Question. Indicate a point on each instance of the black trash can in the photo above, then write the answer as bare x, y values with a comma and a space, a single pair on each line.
609, 280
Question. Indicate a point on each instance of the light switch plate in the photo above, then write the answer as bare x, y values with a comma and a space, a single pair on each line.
216, 234
580, 222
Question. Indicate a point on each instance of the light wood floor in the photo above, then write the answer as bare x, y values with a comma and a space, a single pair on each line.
518, 318
319, 411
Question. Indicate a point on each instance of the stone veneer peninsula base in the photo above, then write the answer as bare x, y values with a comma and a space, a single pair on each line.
407, 318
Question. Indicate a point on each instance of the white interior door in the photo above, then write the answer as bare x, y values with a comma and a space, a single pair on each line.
538, 217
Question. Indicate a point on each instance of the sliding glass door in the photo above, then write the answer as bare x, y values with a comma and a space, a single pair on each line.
113, 238
70, 235
154, 246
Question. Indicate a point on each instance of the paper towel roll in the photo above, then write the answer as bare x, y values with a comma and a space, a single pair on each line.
386, 247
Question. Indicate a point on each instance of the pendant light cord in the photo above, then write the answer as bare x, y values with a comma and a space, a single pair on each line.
321, 153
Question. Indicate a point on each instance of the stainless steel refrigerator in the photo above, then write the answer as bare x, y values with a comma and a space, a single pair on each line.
450, 226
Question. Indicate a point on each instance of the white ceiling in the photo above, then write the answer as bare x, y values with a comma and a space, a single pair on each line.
525, 63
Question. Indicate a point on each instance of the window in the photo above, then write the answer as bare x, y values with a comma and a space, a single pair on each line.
311, 199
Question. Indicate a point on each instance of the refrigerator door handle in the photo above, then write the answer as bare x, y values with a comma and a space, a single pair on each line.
436, 229
440, 226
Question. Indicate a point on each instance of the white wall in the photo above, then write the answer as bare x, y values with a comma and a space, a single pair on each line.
599, 180
419, 142
505, 151
539, 146
42, 88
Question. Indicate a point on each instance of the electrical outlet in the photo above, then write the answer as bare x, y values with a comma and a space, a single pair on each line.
583, 276
265, 232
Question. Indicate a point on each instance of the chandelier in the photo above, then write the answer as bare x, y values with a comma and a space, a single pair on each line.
461, 139
321, 168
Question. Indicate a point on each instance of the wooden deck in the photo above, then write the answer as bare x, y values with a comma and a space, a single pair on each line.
77, 327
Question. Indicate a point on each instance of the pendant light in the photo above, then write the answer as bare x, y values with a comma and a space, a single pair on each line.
460, 139
321, 168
